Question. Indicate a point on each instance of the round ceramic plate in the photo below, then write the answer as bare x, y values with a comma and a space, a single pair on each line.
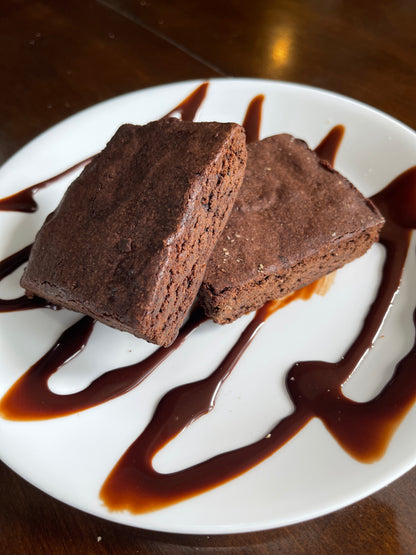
70, 457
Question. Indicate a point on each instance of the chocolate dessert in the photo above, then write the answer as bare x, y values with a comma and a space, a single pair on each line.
314, 386
294, 220
129, 242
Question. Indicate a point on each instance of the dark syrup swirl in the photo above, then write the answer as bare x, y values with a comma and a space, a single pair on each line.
31, 399
315, 387
328, 147
188, 108
7, 267
24, 201
252, 119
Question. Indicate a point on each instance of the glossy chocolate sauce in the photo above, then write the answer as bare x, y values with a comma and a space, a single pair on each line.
315, 387
252, 119
7, 267
328, 147
23, 201
31, 399
188, 108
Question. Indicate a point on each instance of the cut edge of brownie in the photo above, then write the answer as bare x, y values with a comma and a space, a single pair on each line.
225, 297
221, 307
191, 257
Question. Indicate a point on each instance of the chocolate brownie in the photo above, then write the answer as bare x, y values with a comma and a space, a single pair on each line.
129, 242
295, 219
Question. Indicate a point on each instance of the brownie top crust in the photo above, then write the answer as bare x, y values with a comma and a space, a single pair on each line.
290, 206
112, 247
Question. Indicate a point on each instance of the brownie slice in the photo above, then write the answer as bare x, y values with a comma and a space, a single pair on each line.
129, 242
295, 219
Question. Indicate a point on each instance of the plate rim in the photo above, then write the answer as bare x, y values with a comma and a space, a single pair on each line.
195, 82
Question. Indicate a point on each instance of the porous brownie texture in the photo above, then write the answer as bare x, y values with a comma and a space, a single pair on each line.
295, 220
129, 242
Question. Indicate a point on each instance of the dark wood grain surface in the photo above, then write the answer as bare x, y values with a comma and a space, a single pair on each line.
57, 57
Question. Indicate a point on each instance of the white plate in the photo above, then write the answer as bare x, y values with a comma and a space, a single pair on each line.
70, 457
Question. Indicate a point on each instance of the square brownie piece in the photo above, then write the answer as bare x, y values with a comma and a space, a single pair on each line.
129, 242
295, 220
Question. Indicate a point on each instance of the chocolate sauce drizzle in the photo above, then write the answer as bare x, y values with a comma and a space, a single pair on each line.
315, 387
188, 108
31, 399
325, 150
23, 201
252, 119
7, 267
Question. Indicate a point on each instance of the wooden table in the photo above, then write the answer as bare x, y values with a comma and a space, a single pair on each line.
59, 57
